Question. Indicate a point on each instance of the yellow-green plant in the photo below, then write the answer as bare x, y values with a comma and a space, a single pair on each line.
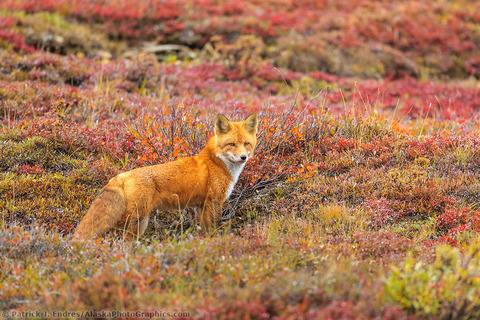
448, 288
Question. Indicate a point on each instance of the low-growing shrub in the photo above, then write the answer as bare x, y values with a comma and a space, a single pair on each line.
447, 288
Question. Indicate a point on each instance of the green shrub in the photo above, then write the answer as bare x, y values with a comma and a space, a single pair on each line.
448, 288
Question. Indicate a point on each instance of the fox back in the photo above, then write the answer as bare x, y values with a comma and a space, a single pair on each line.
203, 182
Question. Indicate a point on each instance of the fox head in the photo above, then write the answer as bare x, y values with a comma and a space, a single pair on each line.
235, 141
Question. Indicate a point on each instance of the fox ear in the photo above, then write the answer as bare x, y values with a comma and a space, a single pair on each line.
222, 124
251, 123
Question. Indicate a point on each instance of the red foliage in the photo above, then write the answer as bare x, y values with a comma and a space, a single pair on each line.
453, 224
422, 201
70, 136
452, 218
434, 33
457, 222
301, 305
216, 86
446, 239
380, 244
28, 169
11, 37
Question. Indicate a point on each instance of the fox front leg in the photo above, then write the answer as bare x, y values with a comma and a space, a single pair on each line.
210, 215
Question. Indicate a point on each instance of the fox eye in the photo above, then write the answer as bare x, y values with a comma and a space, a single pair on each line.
231, 144
247, 144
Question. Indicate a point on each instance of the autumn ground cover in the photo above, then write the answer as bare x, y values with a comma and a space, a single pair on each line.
361, 201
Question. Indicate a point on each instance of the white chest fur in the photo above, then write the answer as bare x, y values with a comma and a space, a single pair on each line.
235, 169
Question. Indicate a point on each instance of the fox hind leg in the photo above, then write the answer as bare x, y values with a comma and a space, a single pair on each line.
143, 225
136, 227
210, 215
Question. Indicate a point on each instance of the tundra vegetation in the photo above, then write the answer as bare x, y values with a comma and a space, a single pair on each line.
362, 200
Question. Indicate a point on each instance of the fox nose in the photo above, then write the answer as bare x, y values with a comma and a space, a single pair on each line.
243, 157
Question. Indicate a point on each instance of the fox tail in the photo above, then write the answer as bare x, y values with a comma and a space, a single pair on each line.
105, 212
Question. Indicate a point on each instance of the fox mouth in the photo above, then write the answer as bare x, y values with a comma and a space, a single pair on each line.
238, 161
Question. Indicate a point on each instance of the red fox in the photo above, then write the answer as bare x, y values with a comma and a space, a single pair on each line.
203, 181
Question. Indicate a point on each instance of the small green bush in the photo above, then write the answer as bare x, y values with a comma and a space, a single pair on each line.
448, 288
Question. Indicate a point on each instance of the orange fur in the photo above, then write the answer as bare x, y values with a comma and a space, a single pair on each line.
203, 181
